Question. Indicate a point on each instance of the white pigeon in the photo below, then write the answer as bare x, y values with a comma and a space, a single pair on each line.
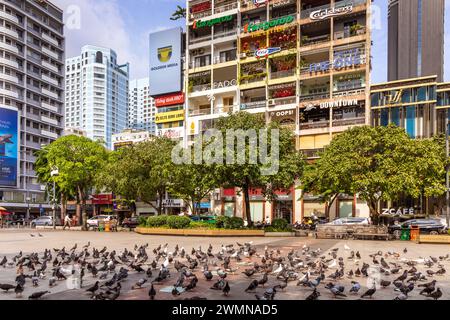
333, 264
166, 263
346, 247
279, 269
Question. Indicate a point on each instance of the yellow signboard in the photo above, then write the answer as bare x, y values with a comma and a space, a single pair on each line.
171, 116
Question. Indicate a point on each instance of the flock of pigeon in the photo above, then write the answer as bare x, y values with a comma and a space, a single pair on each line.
179, 271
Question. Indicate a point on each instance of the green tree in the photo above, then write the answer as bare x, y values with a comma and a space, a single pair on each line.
141, 172
246, 175
78, 159
378, 164
180, 13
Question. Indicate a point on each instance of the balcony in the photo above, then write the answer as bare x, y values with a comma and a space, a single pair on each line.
226, 7
199, 112
305, 14
349, 34
9, 47
50, 39
312, 153
311, 41
50, 107
9, 78
9, 32
350, 92
51, 80
315, 125
50, 120
253, 105
10, 63
50, 93
49, 52
10, 17
349, 122
200, 88
199, 39
316, 96
282, 101
223, 109
50, 66
49, 134
225, 34
9, 93
282, 74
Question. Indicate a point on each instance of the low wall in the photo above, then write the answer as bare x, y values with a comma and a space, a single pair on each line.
200, 233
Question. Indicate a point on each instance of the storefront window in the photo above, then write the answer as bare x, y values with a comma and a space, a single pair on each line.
256, 211
310, 207
315, 118
283, 210
228, 209
345, 209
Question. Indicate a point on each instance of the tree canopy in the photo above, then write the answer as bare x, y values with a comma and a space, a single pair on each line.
377, 164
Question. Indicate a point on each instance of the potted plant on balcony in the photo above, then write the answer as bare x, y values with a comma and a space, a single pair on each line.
355, 29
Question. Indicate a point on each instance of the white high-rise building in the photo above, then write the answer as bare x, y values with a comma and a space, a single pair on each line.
96, 93
141, 107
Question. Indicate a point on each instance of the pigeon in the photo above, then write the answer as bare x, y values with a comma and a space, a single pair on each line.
402, 296
355, 287
139, 284
175, 291
226, 289
93, 288
385, 283
264, 280
253, 285
152, 293
436, 294
18, 290
6, 287
208, 275
3, 262
369, 293
314, 295
402, 277
37, 295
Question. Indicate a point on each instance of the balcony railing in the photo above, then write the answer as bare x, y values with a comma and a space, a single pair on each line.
225, 34
308, 41
199, 15
315, 125
256, 78
349, 122
253, 105
316, 96
282, 74
199, 112
353, 92
199, 39
226, 7
194, 65
201, 87
344, 35
218, 60
223, 109
282, 101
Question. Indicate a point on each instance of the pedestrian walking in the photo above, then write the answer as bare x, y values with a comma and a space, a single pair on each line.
67, 222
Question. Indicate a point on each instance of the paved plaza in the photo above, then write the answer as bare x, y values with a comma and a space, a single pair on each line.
14, 241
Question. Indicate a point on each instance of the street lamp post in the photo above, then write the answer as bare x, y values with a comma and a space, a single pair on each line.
28, 199
54, 173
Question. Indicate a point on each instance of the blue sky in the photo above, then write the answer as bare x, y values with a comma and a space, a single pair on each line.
124, 25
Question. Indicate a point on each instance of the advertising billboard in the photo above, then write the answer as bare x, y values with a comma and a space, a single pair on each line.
169, 100
171, 116
9, 146
165, 62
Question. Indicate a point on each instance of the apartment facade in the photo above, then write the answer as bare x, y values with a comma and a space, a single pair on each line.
420, 106
32, 48
303, 63
141, 107
96, 93
415, 39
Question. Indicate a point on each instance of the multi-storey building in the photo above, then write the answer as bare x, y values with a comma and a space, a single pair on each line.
420, 106
304, 63
96, 93
415, 39
141, 107
32, 82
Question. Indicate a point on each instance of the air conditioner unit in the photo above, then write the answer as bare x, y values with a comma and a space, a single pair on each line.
271, 102
243, 55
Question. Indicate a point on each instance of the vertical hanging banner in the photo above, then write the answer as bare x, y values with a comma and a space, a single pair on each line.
9, 146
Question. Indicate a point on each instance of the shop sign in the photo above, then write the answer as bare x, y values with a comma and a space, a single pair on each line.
171, 116
398, 211
343, 59
281, 3
332, 104
199, 7
323, 14
394, 98
172, 203
102, 199
169, 100
264, 53
224, 84
171, 133
279, 115
268, 25
193, 127
209, 23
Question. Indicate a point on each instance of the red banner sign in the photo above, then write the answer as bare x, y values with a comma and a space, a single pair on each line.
201, 7
102, 199
169, 100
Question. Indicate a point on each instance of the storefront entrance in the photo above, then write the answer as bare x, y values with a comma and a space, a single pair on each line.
283, 210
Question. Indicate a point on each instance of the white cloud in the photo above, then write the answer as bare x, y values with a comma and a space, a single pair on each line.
102, 24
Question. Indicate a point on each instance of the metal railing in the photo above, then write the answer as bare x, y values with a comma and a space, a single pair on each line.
307, 41
226, 7
199, 39
316, 96
201, 87
315, 125
352, 92
282, 74
199, 112
349, 122
225, 34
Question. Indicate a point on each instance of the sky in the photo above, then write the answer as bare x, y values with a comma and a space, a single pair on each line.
124, 26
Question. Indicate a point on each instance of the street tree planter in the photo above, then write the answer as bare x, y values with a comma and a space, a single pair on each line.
200, 232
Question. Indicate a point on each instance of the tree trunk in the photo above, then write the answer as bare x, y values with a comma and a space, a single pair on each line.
160, 206
374, 215
63, 206
248, 214
83, 221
